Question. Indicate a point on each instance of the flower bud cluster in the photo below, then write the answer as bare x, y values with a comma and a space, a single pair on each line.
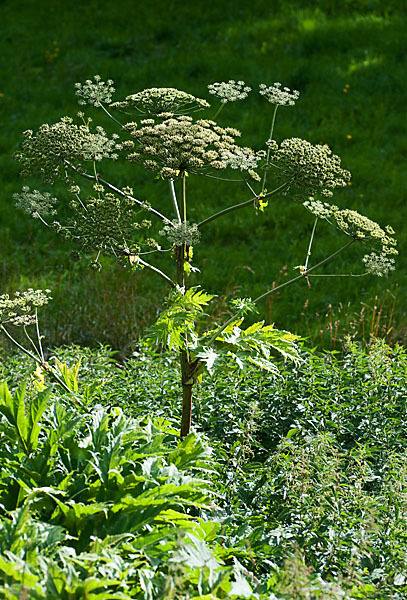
154, 101
363, 229
306, 168
181, 233
322, 210
229, 91
278, 95
20, 310
35, 203
179, 144
47, 152
95, 92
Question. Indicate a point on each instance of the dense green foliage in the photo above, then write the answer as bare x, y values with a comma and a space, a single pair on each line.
291, 486
346, 58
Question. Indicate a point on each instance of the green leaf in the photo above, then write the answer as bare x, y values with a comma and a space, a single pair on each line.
69, 374
253, 345
176, 324
13, 408
195, 554
18, 570
188, 453
209, 357
36, 410
291, 433
240, 588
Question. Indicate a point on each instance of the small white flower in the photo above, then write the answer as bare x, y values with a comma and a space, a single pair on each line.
35, 203
243, 159
378, 264
322, 210
178, 144
163, 102
182, 233
229, 91
20, 310
277, 95
309, 169
95, 92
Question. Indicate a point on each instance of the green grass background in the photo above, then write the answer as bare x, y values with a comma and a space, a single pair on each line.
318, 48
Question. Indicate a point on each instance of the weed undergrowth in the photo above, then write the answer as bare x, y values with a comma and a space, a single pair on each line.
290, 487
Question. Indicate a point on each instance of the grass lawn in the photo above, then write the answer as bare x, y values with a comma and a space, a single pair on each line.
348, 61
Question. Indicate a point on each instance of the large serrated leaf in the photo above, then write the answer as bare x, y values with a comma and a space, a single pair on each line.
13, 408
35, 412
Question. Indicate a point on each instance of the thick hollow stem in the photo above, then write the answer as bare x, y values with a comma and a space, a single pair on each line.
110, 116
184, 197
180, 257
186, 367
219, 110
303, 275
174, 200
155, 269
37, 328
310, 244
263, 185
187, 388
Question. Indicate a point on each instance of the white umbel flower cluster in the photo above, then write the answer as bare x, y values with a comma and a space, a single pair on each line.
181, 233
177, 145
322, 210
229, 91
35, 203
95, 92
362, 229
308, 169
278, 95
48, 151
378, 264
154, 101
20, 310
243, 159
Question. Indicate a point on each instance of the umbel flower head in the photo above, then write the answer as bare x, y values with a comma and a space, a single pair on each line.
104, 223
47, 152
154, 101
178, 144
308, 169
363, 229
95, 92
229, 91
181, 233
378, 264
20, 310
35, 203
275, 94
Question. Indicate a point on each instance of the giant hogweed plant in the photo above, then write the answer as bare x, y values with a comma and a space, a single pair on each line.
161, 130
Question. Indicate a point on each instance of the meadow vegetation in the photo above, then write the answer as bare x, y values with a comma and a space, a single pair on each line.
289, 488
